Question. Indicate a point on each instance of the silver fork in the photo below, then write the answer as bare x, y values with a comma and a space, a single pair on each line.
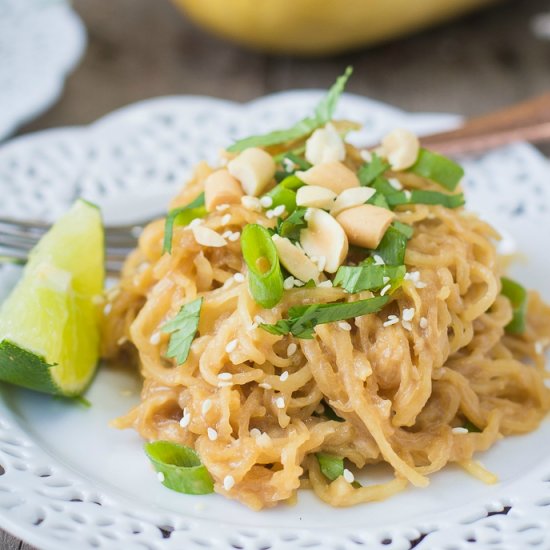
18, 237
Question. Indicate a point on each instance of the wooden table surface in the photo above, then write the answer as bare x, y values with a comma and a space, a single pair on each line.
141, 48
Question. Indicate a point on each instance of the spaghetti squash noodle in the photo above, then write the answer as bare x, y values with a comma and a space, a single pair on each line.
429, 378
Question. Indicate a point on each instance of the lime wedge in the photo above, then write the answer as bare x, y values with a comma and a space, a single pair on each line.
49, 324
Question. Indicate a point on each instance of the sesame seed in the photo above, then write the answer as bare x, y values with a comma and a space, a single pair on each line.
408, 314
186, 418
212, 434
239, 277
228, 483
344, 325
227, 234
291, 350
108, 309
459, 430
385, 280
539, 347
265, 386
155, 338
263, 440
231, 346
284, 376
378, 260
288, 283
395, 183
406, 325
392, 320
288, 165
348, 476
253, 326
226, 219
222, 207
280, 402
206, 406
266, 201
325, 284
258, 319
160, 476
270, 214
251, 203
423, 322
225, 376
234, 236
279, 210
384, 290
407, 194
254, 432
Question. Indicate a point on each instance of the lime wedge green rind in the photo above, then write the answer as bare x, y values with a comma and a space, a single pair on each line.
23, 368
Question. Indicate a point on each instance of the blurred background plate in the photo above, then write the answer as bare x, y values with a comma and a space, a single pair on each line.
40, 42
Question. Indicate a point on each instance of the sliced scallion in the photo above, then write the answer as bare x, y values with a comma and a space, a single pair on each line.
292, 182
281, 195
265, 278
438, 168
331, 466
421, 196
180, 467
323, 114
392, 247
372, 170
518, 298
182, 216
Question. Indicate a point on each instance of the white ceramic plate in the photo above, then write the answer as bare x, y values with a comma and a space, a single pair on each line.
40, 43
71, 482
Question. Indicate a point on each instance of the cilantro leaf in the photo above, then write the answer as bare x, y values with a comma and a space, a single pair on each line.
323, 113
182, 330
182, 216
303, 319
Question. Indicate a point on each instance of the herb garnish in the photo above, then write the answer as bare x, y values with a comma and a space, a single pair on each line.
182, 330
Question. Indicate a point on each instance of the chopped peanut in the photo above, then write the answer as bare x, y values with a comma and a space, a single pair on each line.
324, 238
325, 145
208, 237
332, 175
295, 260
350, 198
221, 188
365, 225
315, 197
254, 168
401, 148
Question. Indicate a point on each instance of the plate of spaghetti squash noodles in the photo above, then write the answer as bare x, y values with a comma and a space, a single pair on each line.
317, 342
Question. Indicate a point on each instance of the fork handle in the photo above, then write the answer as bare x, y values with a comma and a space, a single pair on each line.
528, 120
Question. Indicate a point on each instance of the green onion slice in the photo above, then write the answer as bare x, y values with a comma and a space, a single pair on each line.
438, 168
372, 170
292, 182
323, 114
378, 199
393, 245
518, 298
265, 278
331, 466
303, 319
181, 468
420, 196
182, 330
182, 216
282, 195
369, 276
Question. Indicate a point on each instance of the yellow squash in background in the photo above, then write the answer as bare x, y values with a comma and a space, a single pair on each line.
315, 27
